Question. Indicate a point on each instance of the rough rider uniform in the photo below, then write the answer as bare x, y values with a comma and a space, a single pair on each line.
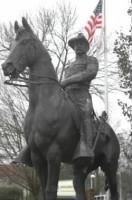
78, 77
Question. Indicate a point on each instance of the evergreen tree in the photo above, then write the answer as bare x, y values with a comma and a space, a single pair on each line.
123, 51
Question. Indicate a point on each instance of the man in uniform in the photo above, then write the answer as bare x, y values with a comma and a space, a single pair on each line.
78, 77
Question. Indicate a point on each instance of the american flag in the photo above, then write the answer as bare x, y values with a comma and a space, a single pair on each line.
94, 22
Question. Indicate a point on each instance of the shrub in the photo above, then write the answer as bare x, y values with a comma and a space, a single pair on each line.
11, 192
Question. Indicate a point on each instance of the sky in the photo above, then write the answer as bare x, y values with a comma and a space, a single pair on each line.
116, 17
116, 10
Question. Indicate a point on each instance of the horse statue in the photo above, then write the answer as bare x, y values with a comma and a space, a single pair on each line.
52, 120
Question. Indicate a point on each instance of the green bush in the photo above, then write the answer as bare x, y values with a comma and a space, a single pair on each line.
11, 192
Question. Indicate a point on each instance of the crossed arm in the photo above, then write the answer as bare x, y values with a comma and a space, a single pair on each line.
87, 75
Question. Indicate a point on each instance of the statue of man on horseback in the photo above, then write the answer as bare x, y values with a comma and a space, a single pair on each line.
51, 123
78, 76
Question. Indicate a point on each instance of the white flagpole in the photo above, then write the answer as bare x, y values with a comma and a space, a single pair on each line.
105, 63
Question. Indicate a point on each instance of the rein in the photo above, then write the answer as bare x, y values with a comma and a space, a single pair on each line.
21, 79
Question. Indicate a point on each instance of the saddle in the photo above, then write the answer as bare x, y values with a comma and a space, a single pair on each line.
100, 124
101, 128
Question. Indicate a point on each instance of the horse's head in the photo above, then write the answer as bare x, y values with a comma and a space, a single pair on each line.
23, 50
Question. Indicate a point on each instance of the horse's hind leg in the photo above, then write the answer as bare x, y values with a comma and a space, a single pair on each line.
106, 184
79, 183
110, 172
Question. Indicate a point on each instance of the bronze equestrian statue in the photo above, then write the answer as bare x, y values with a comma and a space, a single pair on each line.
55, 116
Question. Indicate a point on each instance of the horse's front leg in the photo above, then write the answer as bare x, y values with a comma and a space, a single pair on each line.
79, 182
40, 165
54, 162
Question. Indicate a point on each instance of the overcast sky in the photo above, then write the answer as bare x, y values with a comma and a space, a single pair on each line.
116, 10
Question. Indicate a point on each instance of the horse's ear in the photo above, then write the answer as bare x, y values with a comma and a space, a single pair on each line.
16, 26
26, 25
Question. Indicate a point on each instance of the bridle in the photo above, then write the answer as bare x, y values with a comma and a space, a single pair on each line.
29, 81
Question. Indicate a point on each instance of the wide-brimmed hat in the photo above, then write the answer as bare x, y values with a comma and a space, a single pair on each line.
79, 37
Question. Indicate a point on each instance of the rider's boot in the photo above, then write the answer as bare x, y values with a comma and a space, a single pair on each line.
84, 149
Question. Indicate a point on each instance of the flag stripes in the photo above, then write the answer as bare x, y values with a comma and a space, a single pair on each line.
95, 21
